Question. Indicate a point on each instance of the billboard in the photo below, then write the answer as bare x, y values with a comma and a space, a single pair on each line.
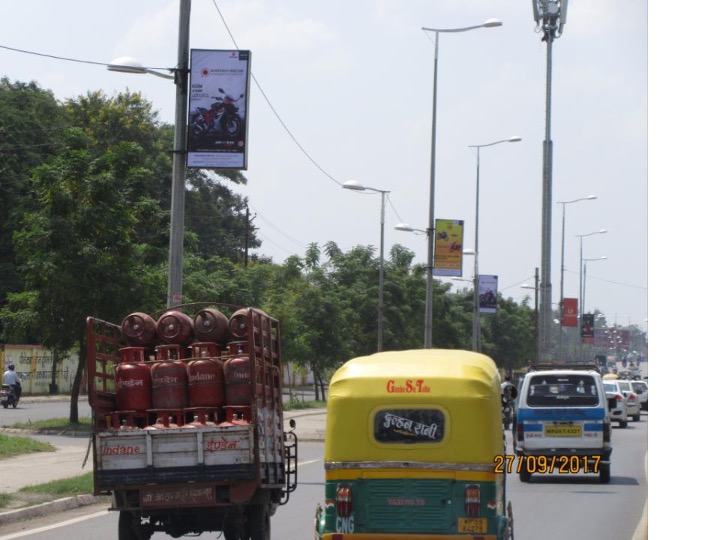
217, 121
448, 248
487, 293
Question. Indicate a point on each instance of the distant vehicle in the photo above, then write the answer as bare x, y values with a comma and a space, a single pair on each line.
619, 413
632, 399
641, 389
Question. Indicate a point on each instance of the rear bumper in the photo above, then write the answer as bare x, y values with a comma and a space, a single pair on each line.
367, 536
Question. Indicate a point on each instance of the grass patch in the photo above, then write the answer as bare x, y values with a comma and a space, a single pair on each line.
4, 499
15, 446
56, 424
67, 487
296, 405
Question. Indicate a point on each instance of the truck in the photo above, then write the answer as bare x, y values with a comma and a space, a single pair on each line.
182, 468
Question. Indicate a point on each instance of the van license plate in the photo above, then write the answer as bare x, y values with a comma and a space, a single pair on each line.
472, 525
563, 431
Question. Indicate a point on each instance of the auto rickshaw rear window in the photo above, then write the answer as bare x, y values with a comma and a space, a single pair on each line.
409, 426
562, 391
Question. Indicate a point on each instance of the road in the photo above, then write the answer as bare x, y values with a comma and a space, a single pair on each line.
553, 507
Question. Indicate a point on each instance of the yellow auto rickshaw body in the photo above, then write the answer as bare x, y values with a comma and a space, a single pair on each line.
415, 448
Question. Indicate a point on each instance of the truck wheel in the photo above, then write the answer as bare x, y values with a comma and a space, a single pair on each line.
524, 474
259, 522
605, 474
623, 423
125, 526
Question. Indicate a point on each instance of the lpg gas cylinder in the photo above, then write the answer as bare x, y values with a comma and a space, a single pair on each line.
175, 327
205, 383
238, 377
169, 385
210, 325
132, 381
240, 324
139, 330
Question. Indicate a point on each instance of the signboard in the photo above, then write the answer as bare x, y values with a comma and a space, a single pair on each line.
487, 293
570, 312
217, 121
587, 332
448, 248
409, 426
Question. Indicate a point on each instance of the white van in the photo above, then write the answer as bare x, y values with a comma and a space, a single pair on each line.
562, 424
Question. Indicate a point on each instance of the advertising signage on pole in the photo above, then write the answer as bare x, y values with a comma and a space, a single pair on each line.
487, 293
217, 123
448, 248
570, 312
587, 331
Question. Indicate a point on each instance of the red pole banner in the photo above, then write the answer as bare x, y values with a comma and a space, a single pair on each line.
570, 312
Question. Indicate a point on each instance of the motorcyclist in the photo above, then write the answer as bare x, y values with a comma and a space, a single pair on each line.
507, 399
13, 380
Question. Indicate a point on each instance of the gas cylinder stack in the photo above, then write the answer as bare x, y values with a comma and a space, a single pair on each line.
209, 369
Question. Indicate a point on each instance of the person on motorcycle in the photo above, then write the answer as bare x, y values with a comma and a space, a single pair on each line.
13, 380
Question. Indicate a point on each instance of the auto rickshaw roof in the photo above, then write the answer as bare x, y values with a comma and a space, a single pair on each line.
463, 385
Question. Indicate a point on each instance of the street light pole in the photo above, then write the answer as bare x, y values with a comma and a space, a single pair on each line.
584, 276
477, 338
550, 16
126, 64
490, 23
562, 261
356, 186
580, 292
535, 287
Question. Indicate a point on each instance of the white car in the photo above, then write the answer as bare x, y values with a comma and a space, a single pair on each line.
641, 389
619, 413
632, 399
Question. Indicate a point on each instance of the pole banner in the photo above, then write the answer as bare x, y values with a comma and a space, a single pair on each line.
217, 123
487, 292
588, 328
570, 312
448, 248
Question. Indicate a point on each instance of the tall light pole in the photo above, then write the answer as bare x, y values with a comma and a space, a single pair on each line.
177, 201
356, 186
476, 301
580, 292
584, 276
550, 17
490, 23
562, 261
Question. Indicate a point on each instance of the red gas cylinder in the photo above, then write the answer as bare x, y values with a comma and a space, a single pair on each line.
175, 327
139, 330
132, 381
205, 383
169, 385
210, 325
238, 380
240, 324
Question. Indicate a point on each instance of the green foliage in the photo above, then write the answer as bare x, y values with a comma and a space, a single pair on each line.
15, 446
66, 487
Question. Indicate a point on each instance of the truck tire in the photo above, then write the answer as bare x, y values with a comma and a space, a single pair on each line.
125, 526
259, 522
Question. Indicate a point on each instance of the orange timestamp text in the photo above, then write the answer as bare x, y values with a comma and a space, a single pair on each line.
548, 464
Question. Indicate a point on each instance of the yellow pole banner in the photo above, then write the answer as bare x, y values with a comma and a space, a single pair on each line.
448, 247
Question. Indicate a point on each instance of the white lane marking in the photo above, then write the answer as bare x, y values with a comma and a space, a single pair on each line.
54, 526
299, 465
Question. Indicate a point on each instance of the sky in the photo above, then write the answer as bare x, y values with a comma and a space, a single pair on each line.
344, 91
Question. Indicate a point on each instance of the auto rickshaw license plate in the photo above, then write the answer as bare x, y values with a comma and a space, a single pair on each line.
472, 525
563, 431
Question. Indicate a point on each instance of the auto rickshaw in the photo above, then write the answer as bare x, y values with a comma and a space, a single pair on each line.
414, 449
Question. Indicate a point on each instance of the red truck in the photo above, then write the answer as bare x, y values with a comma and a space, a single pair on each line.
179, 451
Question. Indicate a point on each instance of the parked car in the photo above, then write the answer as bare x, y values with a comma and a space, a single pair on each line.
618, 413
632, 399
641, 389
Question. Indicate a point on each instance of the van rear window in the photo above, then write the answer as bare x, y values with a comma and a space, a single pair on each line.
562, 391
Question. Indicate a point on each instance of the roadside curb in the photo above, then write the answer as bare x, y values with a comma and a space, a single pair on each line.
38, 510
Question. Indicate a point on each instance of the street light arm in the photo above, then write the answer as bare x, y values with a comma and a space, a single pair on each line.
511, 139
490, 23
127, 64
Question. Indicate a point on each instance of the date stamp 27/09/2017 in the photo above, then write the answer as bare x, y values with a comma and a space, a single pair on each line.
548, 464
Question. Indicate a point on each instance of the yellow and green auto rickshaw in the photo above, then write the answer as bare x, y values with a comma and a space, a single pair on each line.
414, 449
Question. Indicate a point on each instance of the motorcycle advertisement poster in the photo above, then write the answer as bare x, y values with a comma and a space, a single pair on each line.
448, 247
487, 291
218, 99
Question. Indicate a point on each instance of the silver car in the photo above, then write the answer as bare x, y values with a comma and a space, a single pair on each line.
641, 389
632, 399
